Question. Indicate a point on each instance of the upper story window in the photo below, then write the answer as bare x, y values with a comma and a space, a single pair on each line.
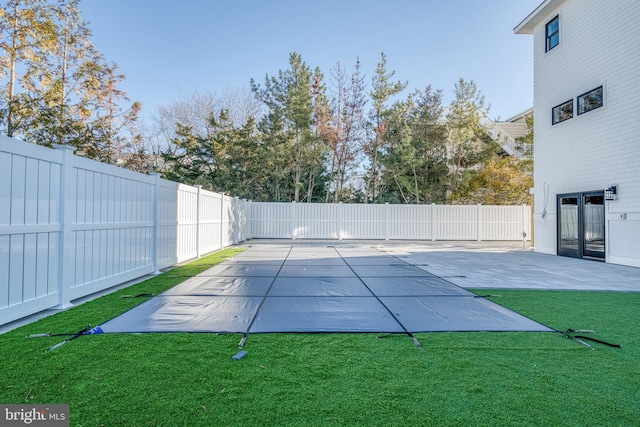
562, 112
590, 100
553, 33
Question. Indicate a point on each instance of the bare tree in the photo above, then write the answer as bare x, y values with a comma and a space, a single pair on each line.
341, 125
195, 112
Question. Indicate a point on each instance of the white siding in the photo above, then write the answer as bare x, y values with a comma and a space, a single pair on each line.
598, 46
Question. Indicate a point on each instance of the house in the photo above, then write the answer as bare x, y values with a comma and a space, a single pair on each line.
587, 128
506, 132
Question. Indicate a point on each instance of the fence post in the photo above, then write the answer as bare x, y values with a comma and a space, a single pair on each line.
293, 220
525, 215
386, 220
222, 220
156, 220
479, 223
67, 256
199, 188
340, 220
247, 212
433, 222
236, 220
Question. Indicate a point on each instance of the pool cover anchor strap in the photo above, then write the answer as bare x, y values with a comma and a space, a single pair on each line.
87, 330
415, 340
242, 340
409, 334
570, 333
136, 296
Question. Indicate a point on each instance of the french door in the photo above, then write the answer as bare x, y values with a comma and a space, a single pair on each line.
581, 225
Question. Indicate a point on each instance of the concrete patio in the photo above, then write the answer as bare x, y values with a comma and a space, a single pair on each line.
495, 265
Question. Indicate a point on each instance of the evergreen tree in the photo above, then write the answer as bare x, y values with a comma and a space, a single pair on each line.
28, 35
383, 90
57, 87
525, 145
66, 86
468, 145
414, 164
228, 159
289, 129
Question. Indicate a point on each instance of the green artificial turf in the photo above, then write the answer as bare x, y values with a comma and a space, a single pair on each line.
456, 379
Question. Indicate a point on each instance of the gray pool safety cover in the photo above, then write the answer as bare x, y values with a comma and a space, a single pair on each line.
274, 288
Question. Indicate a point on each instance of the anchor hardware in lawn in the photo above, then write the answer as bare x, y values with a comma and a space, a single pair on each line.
571, 334
87, 330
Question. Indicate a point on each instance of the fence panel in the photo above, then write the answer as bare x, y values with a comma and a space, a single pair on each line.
241, 226
315, 221
375, 221
456, 222
363, 221
210, 212
70, 226
30, 228
410, 222
187, 222
271, 220
505, 222
109, 238
166, 223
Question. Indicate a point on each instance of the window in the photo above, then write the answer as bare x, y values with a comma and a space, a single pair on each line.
562, 112
590, 100
553, 33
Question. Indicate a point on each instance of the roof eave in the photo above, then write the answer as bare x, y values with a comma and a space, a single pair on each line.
525, 113
529, 23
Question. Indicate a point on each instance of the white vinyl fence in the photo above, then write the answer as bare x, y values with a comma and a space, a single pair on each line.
70, 227
389, 222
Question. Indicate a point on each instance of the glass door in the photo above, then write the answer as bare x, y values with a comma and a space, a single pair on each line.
593, 224
568, 229
581, 225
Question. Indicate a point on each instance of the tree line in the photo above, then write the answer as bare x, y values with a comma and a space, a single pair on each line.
56, 86
297, 135
346, 138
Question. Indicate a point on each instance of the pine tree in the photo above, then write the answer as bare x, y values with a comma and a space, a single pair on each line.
414, 163
289, 131
525, 145
468, 145
383, 89
58, 89
28, 36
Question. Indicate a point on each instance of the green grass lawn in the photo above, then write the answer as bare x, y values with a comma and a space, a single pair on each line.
456, 379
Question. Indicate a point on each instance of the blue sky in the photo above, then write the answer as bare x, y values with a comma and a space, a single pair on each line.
170, 49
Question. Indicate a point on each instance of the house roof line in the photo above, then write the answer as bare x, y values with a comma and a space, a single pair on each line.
522, 114
537, 16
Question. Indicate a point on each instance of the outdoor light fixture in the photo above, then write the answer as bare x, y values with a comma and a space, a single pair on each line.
610, 193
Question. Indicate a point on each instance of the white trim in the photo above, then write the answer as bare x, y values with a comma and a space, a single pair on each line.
535, 18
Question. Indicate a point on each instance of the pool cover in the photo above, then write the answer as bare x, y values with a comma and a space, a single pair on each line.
276, 288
